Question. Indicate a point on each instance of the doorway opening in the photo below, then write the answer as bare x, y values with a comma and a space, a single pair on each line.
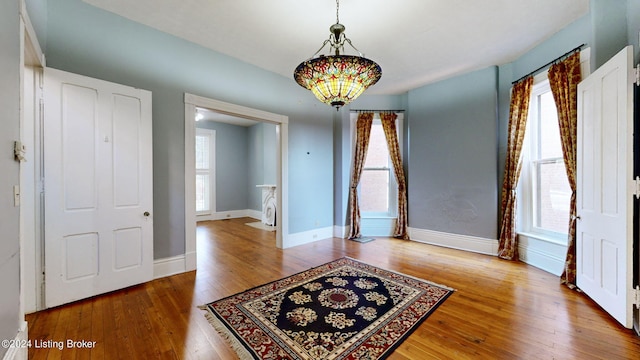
192, 104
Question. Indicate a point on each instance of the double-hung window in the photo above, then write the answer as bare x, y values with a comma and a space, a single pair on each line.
544, 186
378, 188
377, 183
205, 143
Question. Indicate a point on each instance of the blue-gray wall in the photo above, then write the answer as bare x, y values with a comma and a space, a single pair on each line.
37, 10
609, 29
232, 168
10, 316
453, 155
256, 170
245, 157
270, 155
262, 161
89, 41
633, 26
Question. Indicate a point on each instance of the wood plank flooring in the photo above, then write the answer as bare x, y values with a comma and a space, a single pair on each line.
500, 310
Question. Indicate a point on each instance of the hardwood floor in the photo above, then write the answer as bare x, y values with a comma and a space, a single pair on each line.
500, 310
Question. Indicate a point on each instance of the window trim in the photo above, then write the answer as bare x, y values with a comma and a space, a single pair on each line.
528, 211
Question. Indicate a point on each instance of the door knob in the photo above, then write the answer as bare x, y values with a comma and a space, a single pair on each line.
146, 213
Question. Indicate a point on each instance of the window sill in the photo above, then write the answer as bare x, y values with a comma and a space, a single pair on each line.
381, 217
557, 240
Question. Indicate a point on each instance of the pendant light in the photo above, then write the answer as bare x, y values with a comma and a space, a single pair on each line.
337, 79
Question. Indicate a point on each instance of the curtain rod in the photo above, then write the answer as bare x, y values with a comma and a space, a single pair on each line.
375, 111
549, 63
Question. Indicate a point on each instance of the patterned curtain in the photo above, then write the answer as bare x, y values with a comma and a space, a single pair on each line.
363, 130
391, 134
519, 109
564, 78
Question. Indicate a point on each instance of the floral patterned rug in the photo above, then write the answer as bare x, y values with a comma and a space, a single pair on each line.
344, 309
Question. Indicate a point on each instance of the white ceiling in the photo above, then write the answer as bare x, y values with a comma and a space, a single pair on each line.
416, 42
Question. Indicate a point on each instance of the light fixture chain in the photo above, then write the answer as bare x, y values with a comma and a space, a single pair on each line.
337, 11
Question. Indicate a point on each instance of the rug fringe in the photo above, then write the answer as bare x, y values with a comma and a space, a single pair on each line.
233, 341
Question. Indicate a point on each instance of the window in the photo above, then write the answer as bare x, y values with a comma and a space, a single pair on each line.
546, 191
378, 187
205, 143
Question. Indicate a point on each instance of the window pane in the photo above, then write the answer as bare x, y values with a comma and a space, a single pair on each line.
202, 192
553, 197
549, 143
377, 152
202, 152
374, 191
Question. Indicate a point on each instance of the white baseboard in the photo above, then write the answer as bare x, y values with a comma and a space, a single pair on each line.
256, 214
231, 214
19, 352
190, 261
170, 266
341, 231
543, 254
455, 241
310, 236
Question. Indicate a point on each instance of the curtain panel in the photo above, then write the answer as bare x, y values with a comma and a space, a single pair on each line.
518, 112
391, 134
563, 79
363, 130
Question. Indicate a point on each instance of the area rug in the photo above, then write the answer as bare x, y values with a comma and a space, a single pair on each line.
344, 309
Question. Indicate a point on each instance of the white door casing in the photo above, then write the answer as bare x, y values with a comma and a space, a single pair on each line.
282, 165
604, 236
98, 187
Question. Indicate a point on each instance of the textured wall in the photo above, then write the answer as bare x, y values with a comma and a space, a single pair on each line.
452, 155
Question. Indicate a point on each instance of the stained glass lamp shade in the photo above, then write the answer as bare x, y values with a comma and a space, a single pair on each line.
337, 79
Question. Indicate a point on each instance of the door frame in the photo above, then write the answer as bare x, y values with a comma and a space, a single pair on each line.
31, 213
282, 148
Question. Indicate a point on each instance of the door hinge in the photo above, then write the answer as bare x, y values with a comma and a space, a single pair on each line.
637, 73
636, 296
41, 79
636, 187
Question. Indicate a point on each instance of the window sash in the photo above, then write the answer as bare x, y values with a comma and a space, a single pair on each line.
203, 151
392, 188
537, 215
374, 205
545, 218
205, 170
203, 196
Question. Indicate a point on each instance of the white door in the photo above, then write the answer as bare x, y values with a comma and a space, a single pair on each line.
605, 186
98, 187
